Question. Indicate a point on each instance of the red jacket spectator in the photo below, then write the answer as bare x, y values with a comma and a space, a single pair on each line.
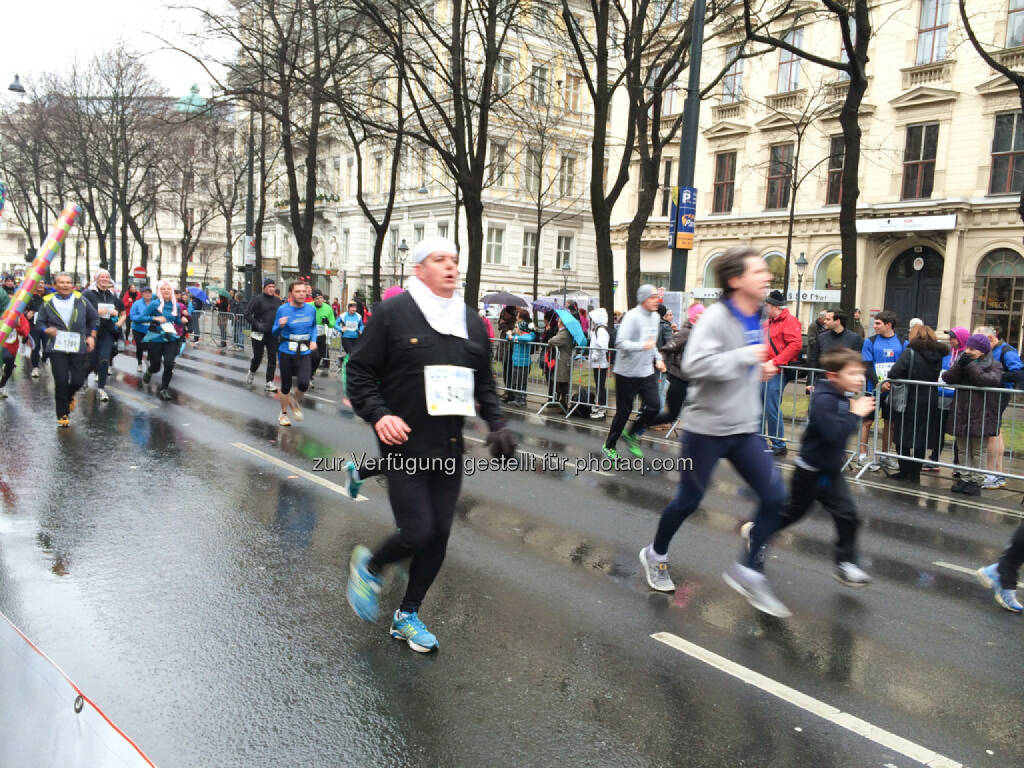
13, 339
785, 336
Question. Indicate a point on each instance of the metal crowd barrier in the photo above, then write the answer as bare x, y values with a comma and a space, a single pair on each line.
913, 419
535, 381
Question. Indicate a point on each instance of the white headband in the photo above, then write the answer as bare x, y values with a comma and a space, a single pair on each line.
433, 244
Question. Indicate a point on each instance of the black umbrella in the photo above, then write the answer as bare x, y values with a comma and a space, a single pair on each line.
504, 298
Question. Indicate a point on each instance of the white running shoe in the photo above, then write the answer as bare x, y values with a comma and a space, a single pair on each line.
851, 574
993, 481
754, 587
3, 394
138, 369
35, 373
597, 413
656, 573
890, 463
270, 386
104, 397
249, 378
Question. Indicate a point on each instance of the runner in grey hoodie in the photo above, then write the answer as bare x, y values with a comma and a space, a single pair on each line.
637, 363
725, 361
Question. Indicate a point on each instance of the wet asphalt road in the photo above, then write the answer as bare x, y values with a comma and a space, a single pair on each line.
185, 564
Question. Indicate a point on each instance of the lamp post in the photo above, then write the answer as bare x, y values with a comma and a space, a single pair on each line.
403, 251
565, 281
16, 86
801, 264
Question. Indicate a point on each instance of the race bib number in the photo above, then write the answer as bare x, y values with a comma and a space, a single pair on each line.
106, 310
168, 328
299, 337
66, 341
882, 370
351, 327
449, 390
256, 336
321, 330
12, 338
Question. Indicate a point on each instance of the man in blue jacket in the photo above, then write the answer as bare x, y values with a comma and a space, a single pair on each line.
1013, 376
351, 326
295, 326
880, 353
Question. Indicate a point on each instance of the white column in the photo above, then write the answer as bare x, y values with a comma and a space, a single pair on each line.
949, 301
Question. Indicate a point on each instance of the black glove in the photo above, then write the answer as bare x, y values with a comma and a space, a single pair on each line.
503, 443
965, 360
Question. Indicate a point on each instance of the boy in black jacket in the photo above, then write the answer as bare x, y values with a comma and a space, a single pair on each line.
833, 416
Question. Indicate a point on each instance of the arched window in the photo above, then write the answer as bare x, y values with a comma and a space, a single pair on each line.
710, 281
777, 264
828, 275
999, 294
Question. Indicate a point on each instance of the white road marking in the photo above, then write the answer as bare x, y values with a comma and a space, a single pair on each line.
957, 568
807, 703
313, 478
320, 399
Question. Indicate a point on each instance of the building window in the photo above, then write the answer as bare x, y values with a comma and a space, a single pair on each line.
780, 171
999, 294
836, 156
844, 56
564, 253
567, 176
495, 240
1015, 24
933, 31
725, 182
789, 63
348, 177
442, 229
1007, 155
919, 160
532, 171
572, 91
732, 82
539, 85
417, 233
666, 188
378, 173
393, 246
346, 241
529, 249
499, 162
503, 75
424, 176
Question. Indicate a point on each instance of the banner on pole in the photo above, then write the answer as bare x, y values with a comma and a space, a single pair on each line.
686, 217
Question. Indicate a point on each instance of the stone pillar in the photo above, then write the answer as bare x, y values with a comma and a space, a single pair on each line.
951, 306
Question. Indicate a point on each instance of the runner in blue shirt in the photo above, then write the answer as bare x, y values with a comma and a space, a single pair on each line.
295, 324
880, 352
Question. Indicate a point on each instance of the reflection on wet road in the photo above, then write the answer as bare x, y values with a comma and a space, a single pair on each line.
185, 564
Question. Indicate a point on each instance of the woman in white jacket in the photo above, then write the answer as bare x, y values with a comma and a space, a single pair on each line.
600, 341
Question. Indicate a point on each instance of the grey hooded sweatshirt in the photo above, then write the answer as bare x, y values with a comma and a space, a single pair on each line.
638, 326
724, 374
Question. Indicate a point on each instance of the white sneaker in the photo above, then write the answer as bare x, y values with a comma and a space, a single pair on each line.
656, 573
248, 378
138, 368
851, 574
35, 373
3, 394
862, 459
754, 587
597, 414
270, 386
890, 463
104, 397
993, 481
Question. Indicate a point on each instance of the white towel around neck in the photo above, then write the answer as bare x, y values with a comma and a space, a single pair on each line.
447, 316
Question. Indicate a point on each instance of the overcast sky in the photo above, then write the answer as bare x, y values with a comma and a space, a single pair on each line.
47, 35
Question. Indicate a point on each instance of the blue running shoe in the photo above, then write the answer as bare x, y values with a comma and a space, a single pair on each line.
354, 483
363, 587
408, 627
1005, 598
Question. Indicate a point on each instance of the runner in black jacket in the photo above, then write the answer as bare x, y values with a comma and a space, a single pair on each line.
423, 365
260, 313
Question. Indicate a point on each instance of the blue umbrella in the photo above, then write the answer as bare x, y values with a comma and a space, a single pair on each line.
199, 294
544, 304
573, 325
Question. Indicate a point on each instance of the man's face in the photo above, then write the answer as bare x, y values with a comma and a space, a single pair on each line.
147, 296
829, 321
755, 280
883, 329
440, 273
269, 289
651, 303
773, 311
351, 309
318, 301
63, 285
103, 281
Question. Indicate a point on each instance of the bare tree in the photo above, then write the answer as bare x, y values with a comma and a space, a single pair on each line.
223, 184
854, 17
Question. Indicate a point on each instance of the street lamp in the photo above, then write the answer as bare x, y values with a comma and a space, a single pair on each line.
16, 86
801, 265
403, 250
565, 281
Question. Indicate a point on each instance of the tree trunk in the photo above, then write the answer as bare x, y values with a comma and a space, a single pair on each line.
229, 263
848, 200
475, 234
635, 233
378, 250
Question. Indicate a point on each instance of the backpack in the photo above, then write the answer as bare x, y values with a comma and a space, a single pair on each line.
1009, 377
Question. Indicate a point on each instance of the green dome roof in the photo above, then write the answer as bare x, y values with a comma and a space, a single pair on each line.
191, 103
